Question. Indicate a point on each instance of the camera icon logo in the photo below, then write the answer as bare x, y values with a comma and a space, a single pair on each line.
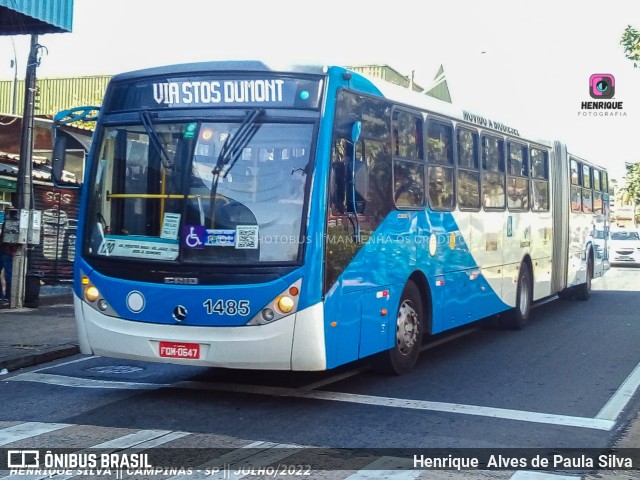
602, 85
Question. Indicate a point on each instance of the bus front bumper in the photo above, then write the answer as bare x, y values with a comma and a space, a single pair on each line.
295, 342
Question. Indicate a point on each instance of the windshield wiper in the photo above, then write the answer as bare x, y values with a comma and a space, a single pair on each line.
230, 153
167, 163
233, 145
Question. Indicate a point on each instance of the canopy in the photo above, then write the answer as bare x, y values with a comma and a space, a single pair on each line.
26, 17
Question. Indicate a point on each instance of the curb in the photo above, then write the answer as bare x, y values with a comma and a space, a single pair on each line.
22, 361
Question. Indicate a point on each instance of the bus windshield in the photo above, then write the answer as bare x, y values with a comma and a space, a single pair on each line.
200, 192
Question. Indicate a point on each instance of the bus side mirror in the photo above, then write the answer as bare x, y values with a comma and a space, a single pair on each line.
60, 177
58, 159
358, 186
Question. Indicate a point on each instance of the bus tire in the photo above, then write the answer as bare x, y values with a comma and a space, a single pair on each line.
402, 357
518, 317
583, 291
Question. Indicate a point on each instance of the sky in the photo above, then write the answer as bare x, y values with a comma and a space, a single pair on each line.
526, 64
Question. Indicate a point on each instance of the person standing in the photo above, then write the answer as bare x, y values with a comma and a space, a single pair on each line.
7, 251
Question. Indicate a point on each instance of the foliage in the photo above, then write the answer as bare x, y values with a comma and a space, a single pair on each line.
633, 181
631, 42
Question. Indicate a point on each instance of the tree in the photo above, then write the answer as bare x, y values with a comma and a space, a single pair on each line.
632, 180
631, 42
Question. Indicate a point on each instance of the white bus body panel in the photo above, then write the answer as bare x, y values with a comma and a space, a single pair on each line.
499, 250
295, 342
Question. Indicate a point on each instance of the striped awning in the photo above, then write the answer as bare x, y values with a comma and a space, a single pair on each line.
26, 17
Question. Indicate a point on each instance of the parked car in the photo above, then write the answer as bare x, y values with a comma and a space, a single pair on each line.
601, 241
625, 247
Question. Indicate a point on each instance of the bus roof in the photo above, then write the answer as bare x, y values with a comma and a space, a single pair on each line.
452, 111
388, 90
221, 66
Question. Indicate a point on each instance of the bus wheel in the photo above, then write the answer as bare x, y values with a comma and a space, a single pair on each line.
519, 316
583, 291
409, 330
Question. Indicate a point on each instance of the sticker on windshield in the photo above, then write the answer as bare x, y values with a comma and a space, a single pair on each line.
247, 237
170, 225
220, 238
138, 248
193, 236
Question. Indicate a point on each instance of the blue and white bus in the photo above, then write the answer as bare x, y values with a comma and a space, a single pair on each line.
241, 216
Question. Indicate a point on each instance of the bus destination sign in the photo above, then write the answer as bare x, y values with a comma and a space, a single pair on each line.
283, 92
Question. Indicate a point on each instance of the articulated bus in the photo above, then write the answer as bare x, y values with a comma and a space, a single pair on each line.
241, 216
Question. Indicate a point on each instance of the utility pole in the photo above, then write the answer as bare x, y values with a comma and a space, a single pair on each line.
24, 187
14, 64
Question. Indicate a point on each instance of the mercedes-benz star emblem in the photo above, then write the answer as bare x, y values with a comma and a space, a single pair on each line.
180, 313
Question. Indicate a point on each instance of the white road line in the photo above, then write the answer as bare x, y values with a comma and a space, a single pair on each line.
508, 414
524, 475
84, 359
387, 467
258, 454
78, 382
28, 430
622, 397
519, 415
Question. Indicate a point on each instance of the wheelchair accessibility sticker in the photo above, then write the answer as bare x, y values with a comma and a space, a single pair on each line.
193, 236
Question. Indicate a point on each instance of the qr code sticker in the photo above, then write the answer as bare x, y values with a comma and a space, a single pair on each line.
247, 237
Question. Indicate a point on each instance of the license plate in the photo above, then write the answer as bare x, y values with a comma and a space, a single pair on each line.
179, 350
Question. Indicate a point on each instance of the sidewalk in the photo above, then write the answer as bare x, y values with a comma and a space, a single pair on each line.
29, 336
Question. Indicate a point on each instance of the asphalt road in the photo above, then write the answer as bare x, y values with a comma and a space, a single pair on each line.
567, 381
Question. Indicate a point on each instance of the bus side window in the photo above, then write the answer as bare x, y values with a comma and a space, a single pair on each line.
468, 185
539, 180
517, 177
408, 183
441, 165
493, 176
576, 181
587, 194
408, 161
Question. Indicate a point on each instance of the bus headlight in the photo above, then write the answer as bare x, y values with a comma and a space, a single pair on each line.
284, 304
91, 294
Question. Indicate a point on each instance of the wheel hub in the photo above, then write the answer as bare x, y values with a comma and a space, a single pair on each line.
407, 327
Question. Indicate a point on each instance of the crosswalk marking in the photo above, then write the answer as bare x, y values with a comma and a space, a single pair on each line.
391, 468
133, 439
27, 430
139, 440
248, 453
169, 437
240, 461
